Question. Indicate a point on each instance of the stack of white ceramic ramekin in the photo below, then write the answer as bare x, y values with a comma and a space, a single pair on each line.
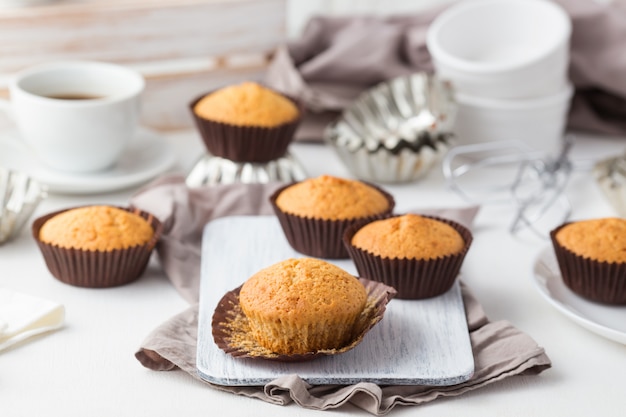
508, 61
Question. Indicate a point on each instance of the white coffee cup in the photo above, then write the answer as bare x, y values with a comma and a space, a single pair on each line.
76, 116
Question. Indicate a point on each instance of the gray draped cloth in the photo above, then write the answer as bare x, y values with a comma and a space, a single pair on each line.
336, 58
500, 350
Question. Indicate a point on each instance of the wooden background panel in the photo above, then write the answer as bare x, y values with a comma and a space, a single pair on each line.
182, 47
139, 31
299, 12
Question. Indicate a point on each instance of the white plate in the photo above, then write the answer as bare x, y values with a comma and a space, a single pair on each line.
147, 155
605, 320
418, 342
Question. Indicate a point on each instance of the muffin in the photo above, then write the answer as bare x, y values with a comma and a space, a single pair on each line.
97, 246
246, 122
314, 213
592, 258
302, 305
420, 256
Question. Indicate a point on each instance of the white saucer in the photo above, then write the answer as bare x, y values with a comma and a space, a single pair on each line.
147, 155
607, 321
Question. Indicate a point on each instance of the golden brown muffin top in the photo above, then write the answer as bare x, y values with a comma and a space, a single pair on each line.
601, 239
302, 290
102, 228
247, 104
331, 198
409, 236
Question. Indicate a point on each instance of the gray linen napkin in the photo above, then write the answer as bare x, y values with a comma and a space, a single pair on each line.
336, 58
500, 350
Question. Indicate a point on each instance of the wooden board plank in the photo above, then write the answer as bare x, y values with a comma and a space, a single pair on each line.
422, 342
140, 32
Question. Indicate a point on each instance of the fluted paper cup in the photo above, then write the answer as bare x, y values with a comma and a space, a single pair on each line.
246, 143
412, 278
95, 268
320, 238
602, 282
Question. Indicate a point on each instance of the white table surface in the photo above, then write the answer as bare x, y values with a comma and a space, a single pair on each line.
88, 368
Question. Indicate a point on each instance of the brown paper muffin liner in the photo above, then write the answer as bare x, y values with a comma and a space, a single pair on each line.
231, 329
97, 269
246, 143
599, 281
412, 278
321, 238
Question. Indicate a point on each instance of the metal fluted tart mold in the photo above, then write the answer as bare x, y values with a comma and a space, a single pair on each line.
610, 175
396, 131
213, 170
20, 196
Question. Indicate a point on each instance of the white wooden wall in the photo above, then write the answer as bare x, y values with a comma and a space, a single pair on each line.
182, 47
299, 11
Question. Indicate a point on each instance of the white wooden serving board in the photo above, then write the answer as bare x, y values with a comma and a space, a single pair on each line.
423, 342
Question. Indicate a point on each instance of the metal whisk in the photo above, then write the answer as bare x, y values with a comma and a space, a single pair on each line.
535, 189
